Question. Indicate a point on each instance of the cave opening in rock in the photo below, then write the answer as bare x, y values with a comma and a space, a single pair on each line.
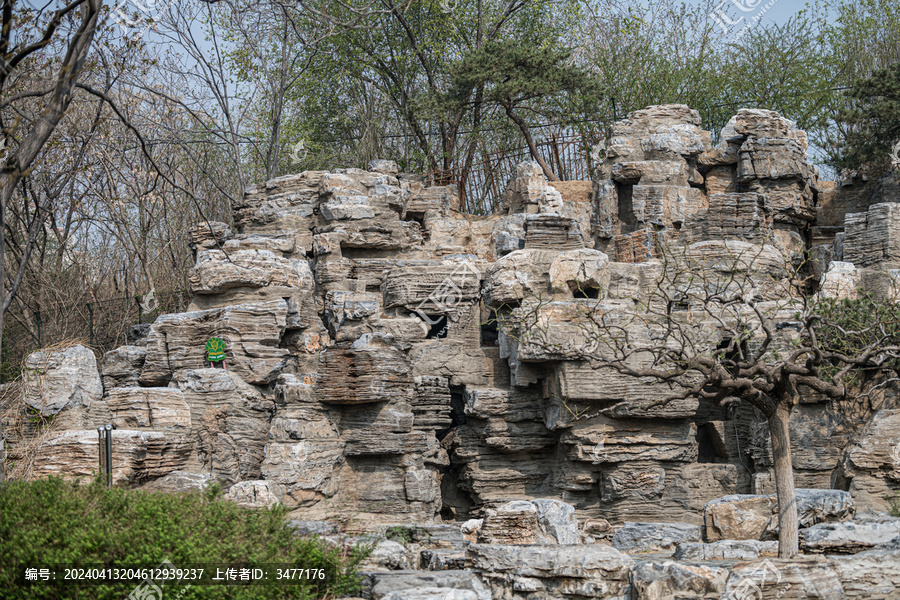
626, 207
438, 325
457, 406
707, 452
583, 292
416, 217
490, 333
456, 501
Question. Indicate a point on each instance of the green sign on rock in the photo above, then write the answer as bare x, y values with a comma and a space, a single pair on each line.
215, 350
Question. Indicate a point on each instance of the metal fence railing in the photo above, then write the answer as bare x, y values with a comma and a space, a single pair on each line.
568, 156
101, 324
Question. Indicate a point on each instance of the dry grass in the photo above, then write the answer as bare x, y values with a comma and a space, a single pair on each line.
25, 428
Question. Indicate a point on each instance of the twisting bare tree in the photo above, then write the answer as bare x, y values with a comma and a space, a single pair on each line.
728, 322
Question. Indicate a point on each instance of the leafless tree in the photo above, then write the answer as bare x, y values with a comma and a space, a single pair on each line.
76, 22
729, 322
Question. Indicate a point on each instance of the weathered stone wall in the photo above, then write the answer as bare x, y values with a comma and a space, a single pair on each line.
366, 376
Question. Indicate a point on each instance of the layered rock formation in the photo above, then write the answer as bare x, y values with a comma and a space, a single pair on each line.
441, 562
370, 375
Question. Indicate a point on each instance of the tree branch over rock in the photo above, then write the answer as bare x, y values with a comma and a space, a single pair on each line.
728, 322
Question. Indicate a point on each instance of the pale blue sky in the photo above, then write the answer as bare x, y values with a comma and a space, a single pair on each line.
778, 12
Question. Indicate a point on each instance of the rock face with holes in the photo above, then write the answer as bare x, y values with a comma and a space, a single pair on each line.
377, 367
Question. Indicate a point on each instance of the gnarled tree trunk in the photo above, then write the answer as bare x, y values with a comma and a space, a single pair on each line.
788, 534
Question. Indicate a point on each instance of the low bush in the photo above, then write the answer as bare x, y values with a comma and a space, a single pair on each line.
52, 523
894, 501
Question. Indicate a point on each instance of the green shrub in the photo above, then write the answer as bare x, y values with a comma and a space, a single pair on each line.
398, 533
894, 501
51, 523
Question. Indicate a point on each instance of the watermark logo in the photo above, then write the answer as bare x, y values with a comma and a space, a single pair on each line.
298, 152
739, 24
448, 6
137, 16
152, 589
895, 456
895, 156
298, 458
377, 387
751, 586
746, 5
449, 294
598, 152
599, 453
149, 304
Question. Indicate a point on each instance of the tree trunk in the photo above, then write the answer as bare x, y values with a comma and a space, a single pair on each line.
788, 534
523, 127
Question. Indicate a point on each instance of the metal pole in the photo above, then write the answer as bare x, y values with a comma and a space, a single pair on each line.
109, 429
101, 449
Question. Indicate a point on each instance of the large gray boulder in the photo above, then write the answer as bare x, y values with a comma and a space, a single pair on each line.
871, 462
217, 272
726, 550
138, 456
589, 571
654, 537
580, 271
148, 408
251, 332
122, 367
58, 379
520, 275
179, 481
543, 521
668, 580
255, 494
512, 523
424, 585
801, 578
432, 593
849, 537
389, 555
869, 574
556, 521
755, 517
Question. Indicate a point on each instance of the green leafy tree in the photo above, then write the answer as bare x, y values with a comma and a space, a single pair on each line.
362, 93
779, 67
523, 79
654, 52
872, 122
860, 42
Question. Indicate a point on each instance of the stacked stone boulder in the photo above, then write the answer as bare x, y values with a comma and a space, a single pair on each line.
662, 181
370, 374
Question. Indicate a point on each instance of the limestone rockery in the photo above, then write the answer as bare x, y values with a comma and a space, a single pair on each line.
368, 377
